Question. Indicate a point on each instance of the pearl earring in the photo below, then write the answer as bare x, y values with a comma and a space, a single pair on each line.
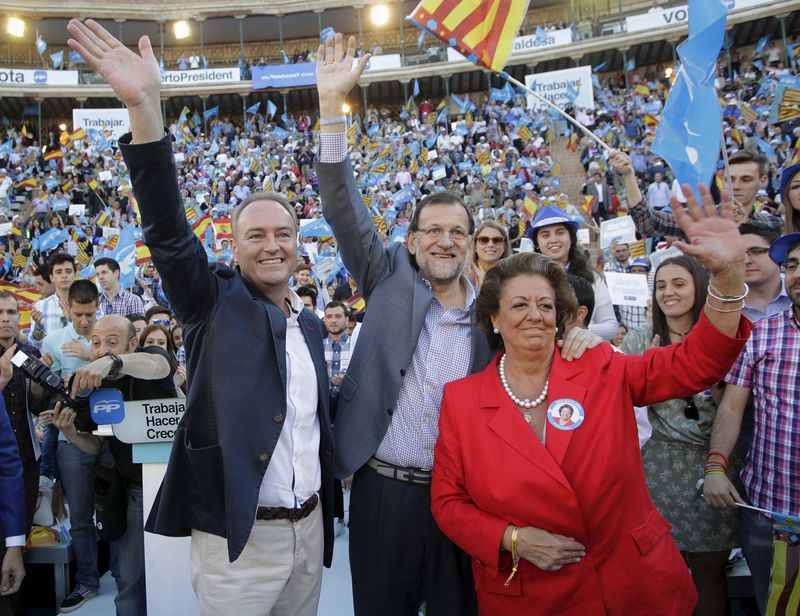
496, 331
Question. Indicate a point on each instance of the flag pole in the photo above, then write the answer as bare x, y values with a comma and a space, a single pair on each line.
565, 115
764, 511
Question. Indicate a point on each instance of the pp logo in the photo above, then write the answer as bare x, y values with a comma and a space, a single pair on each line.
107, 406
39, 77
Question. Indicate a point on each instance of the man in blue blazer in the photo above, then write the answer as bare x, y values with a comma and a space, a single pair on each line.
12, 509
417, 336
254, 451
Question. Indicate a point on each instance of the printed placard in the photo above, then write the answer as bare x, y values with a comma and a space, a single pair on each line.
627, 289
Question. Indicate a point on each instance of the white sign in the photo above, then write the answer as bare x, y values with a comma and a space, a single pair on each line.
438, 173
677, 15
150, 421
659, 256
524, 44
116, 121
627, 289
384, 63
621, 229
584, 237
109, 232
30, 77
5, 228
433, 154
200, 76
104, 176
562, 87
77, 209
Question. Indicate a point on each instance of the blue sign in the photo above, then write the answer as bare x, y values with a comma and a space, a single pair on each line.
107, 406
39, 77
284, 75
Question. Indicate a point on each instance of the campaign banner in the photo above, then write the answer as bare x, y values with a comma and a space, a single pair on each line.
31, 77
524, 44
150, 421
627, 289
116, 121
571, 85
384, 63
285, 75
201, 76
677, 15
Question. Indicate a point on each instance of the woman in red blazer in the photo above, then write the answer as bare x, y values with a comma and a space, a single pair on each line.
568, 496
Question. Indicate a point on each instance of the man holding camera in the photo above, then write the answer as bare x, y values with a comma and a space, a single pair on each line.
143, 375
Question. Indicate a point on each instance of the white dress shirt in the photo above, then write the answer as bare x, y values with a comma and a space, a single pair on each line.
294, 473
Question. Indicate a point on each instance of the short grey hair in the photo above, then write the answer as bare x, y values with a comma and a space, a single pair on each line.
264, 196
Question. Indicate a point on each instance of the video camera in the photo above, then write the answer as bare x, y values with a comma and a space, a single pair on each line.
42, 375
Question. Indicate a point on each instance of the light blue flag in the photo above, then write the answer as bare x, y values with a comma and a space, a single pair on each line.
52, 238
211, 113
461, 103
630, 65
75, 58
51, 182
5, 148
58, 205
421, 39
41, 45
688, 136
442, 117
196, 120
766, 148
205, 62
125, 255
403, 114
57, 59
398, 234
572, 93
87, 272
404, 195
317, 228
762, 43
280, 133
325, 33
541, 36
600, 67
415, 91
271, 108
254, 108
284, 57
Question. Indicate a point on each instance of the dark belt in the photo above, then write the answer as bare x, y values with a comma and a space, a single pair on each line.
401, 473
285, 513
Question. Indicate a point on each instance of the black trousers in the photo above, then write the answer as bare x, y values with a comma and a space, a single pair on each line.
399, 557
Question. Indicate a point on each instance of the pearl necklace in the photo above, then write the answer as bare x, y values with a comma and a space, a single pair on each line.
524, 403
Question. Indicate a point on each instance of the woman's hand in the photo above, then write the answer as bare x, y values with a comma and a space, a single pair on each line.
548, 551
719, 491
714, 240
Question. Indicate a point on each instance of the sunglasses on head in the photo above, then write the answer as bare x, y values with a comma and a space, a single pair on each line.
485, 239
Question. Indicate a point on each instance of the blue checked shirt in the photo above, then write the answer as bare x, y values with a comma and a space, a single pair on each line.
442, 355
337, 357
123, 304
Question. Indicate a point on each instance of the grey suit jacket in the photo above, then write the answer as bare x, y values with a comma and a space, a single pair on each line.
591, 189
397, 300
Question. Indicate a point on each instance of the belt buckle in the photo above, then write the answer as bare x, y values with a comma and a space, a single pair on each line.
411, 475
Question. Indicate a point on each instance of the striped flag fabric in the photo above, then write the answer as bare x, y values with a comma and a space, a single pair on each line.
587, 203
142, 253
532, 204
27, 183
54, 155
78, 134
483, 31
525, 133
650, 120
784, 590
201, 225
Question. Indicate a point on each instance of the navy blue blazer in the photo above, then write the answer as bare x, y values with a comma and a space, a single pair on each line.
235, 342
12, 488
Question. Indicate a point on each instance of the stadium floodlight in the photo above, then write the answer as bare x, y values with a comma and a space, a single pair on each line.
181, 29
379, 14
345, 109
62, 127
668, 72
15, 27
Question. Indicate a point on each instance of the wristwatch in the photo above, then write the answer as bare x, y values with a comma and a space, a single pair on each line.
115, 369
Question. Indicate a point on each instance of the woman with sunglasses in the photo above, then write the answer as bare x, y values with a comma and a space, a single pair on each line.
675, 455
489, 246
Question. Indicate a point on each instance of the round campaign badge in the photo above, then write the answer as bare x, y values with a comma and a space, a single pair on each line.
565, 414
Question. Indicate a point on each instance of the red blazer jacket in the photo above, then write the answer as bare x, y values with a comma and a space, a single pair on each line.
490, 471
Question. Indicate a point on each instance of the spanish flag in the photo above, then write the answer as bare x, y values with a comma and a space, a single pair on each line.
483, 31
223, 229
92, 183
650, 120
572, 143
201, 225
54, 155
642, 90
142, 253
66, 186
587, 203
78, 134
27, 183
357, 303
532, 204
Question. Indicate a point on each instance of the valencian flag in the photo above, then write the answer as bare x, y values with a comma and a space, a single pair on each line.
784, 591
482, 30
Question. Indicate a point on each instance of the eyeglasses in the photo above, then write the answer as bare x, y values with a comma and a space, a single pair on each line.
790, 267
758, 251
690, 410
485, 239
436, 233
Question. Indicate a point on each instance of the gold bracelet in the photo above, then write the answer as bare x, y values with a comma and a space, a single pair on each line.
514, 555
714, 308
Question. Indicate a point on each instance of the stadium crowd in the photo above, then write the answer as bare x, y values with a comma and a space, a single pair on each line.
75, 259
